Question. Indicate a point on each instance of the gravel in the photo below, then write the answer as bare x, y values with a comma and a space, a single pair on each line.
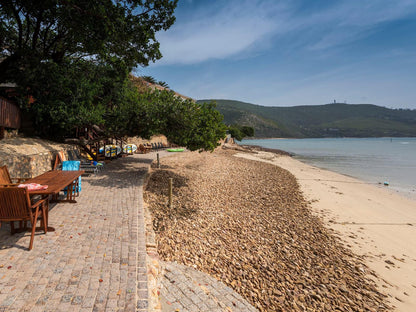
247, 224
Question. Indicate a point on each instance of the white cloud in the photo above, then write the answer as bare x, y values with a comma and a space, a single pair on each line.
218, 31
232, 29
354, 20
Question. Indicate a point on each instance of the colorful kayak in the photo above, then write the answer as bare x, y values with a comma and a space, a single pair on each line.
129, 148
175, 149
112, 150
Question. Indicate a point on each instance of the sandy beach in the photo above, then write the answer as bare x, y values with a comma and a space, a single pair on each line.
247, 224
374, 222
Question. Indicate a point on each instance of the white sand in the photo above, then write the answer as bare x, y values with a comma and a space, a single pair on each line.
373, 221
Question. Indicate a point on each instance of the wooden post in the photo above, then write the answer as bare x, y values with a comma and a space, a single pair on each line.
170, 192
158, 161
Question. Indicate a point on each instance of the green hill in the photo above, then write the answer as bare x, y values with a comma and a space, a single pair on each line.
330, 120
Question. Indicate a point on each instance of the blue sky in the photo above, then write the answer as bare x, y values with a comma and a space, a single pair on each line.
292, 52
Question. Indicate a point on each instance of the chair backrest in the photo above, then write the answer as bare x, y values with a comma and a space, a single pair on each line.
77, 154
59, 159
5, 176
14, 203
71, 155
71, 165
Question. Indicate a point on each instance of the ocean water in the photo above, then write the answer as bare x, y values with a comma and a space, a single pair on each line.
373, 160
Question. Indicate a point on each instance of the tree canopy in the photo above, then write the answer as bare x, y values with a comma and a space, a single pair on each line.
240, 132
184, 122
74, 57
32, 32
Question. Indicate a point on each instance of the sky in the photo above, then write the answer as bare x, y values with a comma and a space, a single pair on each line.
291, 52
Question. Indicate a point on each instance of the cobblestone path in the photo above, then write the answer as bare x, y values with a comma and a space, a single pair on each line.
96, 258
188, 290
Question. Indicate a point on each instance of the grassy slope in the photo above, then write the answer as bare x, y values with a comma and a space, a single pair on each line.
330, 120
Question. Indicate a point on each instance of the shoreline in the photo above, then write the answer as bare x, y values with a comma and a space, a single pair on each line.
389, 179
228, 220
373, 222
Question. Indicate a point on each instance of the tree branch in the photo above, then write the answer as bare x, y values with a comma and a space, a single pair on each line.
16, 13
37, 29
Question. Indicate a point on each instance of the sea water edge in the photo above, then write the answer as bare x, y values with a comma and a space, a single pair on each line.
387, 162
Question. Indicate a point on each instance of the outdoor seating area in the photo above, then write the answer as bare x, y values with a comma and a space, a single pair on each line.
61, 184
6, 180
29, 200
16, 205
92, 255
147, 147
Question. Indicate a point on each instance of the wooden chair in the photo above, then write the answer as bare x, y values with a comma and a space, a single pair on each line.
15, 205
60, 157
5, 179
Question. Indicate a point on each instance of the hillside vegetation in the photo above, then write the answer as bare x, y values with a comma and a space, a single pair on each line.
330, 120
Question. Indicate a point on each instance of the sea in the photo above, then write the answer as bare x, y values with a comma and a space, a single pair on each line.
387, 162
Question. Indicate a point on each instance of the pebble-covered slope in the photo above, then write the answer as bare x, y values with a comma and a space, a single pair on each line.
247, 224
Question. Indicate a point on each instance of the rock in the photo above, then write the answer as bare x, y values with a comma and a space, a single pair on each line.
247, 224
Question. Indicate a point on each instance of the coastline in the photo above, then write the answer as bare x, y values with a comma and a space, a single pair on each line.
378, 161
247, 224
372, 221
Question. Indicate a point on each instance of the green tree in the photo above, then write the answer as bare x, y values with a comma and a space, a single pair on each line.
240, 132
196, 126
73, 57
149, 79
32, 32
163, 84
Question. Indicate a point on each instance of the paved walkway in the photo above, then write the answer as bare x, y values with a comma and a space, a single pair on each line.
188, 290
96, 258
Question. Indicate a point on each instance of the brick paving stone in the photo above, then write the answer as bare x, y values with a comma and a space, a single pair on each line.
97, 250
187, 289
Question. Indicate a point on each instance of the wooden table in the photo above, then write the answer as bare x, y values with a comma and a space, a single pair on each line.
56, 180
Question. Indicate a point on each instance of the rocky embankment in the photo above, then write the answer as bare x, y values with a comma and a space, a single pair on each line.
247, 224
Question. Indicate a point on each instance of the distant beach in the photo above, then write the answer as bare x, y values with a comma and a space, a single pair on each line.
374, 222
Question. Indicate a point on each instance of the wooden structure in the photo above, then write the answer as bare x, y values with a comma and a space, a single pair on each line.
10, 115
91, 139
5, 179
15, 205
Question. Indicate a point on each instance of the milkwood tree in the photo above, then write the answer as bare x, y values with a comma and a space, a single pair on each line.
184, 122
32, 32
73, 57
66, 53
240, 132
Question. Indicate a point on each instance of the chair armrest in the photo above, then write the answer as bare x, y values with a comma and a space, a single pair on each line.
40, 202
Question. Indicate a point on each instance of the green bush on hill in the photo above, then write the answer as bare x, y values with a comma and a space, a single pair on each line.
331, 120
240, 132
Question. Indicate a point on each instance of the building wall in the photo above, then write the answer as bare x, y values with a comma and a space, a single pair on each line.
10, 116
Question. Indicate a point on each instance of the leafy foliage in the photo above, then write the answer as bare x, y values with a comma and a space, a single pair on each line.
32, 32
196, 126
149, 79
240, 132
331, 120
74, 57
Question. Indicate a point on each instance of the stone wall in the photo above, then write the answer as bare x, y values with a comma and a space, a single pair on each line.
154, 139
29, 166
28, 158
